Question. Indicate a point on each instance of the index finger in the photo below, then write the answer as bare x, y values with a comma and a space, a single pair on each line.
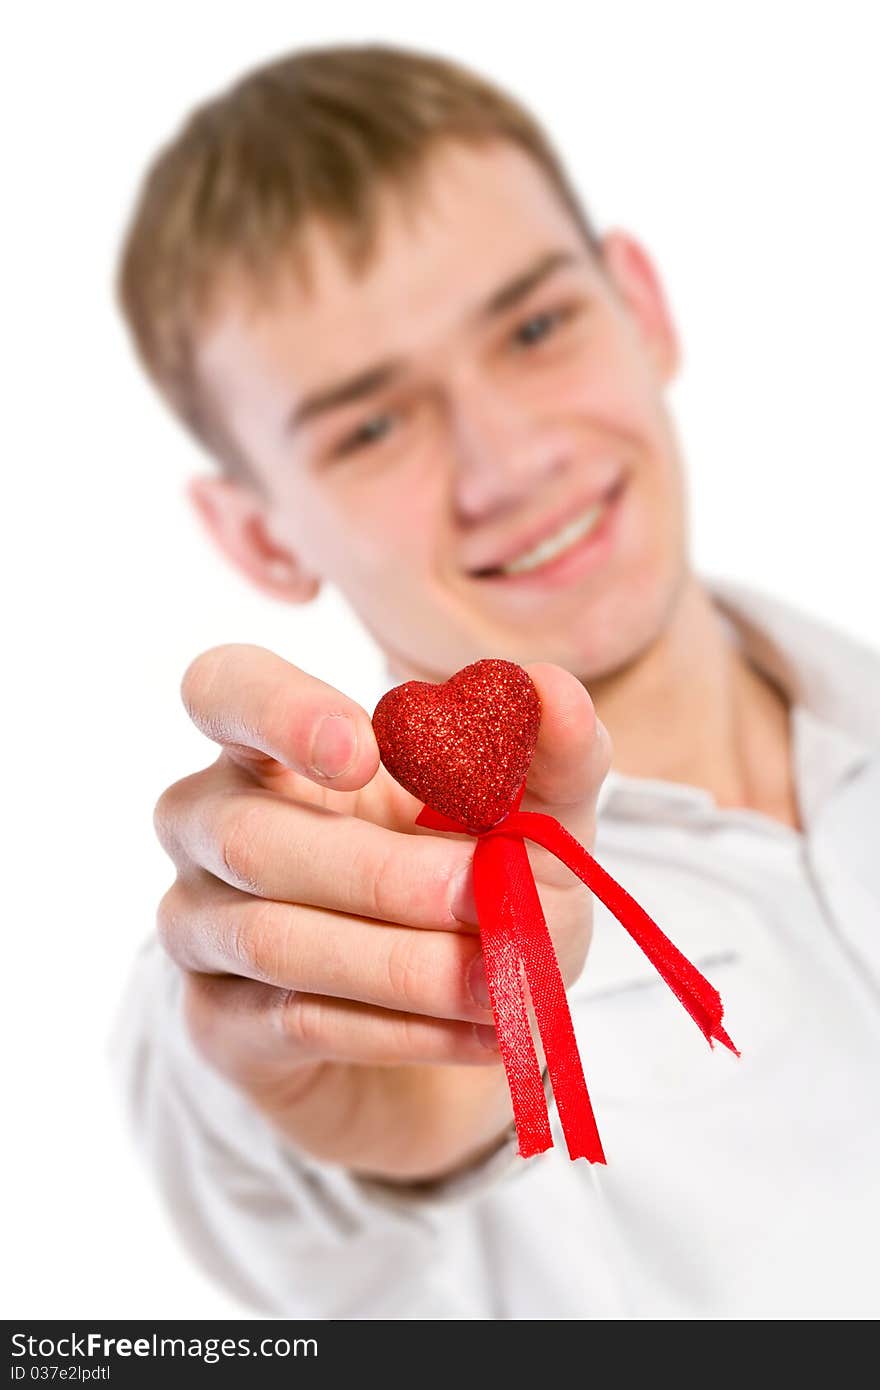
262, 708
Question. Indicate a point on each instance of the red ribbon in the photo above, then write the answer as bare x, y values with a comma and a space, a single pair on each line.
517, 947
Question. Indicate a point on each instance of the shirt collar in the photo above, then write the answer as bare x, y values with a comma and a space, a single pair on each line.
830, 681
831, 674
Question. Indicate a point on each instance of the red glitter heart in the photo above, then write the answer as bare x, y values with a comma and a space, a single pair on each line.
463, 746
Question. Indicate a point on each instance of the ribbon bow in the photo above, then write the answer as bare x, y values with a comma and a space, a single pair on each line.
516, 941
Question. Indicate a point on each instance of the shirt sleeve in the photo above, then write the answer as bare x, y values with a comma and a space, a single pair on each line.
286, 1234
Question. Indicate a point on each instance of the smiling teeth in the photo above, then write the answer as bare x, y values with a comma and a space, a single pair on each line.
554, 545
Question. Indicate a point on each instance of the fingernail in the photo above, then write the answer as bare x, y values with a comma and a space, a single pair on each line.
487, 1036
478, 984
462, 903
334, 744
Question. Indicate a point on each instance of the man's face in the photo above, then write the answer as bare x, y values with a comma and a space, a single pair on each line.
469, 439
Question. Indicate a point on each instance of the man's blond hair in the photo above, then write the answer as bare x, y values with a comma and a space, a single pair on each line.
315, 134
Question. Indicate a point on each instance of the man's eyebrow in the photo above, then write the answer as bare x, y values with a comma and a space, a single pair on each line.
382, 374
366, 383
516, 289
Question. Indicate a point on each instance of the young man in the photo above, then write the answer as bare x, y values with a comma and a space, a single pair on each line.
362, 278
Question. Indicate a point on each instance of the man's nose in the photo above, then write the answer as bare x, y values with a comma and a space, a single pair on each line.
502, 452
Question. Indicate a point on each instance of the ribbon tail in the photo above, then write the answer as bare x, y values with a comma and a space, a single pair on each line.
693, 990
550, 1003
501, 956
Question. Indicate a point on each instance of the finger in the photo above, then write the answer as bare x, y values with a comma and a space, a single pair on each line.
215, 930
240, 1025
267, 713
273, 847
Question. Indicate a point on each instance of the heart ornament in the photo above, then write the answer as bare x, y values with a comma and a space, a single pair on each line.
463, 746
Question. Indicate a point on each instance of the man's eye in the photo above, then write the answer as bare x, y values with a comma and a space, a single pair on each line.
370, 432
538, 327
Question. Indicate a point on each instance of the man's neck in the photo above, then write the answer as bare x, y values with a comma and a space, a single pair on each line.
692, 709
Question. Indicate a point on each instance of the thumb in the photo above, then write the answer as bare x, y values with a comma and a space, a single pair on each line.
573, 753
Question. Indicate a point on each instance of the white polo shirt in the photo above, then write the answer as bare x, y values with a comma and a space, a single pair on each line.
734, 1188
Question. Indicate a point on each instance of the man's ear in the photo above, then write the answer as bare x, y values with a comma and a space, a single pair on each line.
235, 517
637, 282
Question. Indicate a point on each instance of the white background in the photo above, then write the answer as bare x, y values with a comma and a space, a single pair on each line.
738, 141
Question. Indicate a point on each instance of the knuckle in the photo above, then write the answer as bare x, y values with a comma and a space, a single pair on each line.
406, 974
241, 836
373, 882
168, 919
303, 1023
259, 942
165, 814
450, 977
476, 1051
404, 884
410, 1039
439, 1041
172, 807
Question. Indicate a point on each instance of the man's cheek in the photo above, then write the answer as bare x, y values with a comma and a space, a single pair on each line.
381, 555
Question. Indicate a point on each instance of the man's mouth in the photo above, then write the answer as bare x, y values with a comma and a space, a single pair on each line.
566, 537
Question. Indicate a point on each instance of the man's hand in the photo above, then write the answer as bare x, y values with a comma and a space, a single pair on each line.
332, 958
